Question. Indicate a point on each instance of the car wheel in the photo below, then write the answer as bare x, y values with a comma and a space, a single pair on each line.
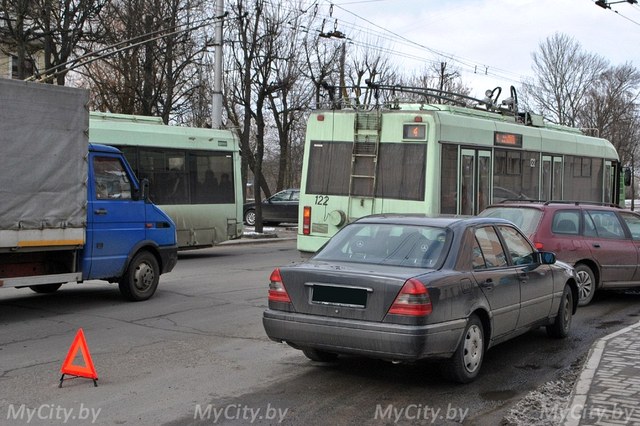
141, 279
560, 327
250, 217
318, 355
465, 363
45, 288
586, 284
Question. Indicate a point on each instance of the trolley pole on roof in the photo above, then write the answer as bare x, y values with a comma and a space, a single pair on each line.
216, 98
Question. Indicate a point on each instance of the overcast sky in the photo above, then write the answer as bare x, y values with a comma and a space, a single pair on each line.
494, 35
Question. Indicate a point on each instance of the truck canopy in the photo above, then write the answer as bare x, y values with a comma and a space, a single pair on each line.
43, 151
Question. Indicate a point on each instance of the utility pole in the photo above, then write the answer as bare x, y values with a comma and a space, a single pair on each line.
216, 98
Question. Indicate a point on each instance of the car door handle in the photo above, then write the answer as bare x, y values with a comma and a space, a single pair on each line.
487, 284
523, 277
596, 245
100, 212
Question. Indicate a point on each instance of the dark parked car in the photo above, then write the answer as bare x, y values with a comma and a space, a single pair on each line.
280, 207
408, 287
602, 242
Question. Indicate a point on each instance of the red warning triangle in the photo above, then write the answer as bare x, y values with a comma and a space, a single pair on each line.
88, 370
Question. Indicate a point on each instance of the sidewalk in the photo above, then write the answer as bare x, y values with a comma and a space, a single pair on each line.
269, 234
608, 389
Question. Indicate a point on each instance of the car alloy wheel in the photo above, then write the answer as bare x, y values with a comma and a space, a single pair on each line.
586, 284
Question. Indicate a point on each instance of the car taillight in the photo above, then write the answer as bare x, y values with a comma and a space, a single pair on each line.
306, 220
277, 292
413, 300
538, 245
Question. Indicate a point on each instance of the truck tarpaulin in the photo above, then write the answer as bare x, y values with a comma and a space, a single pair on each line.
43, 151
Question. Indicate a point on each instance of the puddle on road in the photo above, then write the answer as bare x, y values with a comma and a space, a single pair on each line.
609, 324
529, 367
501, 395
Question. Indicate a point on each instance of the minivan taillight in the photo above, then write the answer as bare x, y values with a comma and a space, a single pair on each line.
277, 292
306, 220
413, 300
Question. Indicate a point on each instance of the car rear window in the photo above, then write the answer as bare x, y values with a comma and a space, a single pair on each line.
387, 244
527, 219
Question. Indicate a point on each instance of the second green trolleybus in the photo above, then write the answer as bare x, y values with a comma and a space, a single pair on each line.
193, 173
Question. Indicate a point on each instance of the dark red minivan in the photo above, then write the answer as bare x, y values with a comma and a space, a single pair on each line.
601, 241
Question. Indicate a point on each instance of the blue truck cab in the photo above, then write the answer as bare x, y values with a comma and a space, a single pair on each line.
129, 240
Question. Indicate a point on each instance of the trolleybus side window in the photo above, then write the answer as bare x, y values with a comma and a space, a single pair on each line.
180, 177
329, 168
401, 171
516, 175
583, 177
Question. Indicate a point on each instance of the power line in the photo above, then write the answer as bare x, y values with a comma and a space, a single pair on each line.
389, 36
470, 65
607, 6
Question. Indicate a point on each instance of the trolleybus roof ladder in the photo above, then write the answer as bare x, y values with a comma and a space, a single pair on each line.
364, 159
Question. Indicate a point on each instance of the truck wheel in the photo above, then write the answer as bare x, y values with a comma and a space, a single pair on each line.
45, 288
141, 279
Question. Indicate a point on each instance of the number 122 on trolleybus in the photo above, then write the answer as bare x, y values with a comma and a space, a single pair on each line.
193, 173
441, 159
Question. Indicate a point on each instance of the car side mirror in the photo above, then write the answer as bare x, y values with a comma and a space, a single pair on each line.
547, 257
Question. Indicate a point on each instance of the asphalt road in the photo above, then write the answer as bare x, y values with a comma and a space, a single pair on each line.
196, 353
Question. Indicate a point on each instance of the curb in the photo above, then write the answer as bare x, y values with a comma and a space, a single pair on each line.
583, 385
258, 239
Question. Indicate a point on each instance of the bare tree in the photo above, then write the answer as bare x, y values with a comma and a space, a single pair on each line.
63, 25
364, 65
611, 107
156, 73
19, 35
564, 73
52, 29
440, 76
320, 61
253, 33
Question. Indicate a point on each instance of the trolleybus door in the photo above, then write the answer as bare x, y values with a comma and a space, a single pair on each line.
551, 177
475, 182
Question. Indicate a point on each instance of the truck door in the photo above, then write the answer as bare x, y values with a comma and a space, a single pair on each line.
116, 222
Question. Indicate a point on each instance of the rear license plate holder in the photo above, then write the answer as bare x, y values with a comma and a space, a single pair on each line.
355, 297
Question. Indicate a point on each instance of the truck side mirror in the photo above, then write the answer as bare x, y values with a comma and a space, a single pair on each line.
142, 192
627, 176
144, 189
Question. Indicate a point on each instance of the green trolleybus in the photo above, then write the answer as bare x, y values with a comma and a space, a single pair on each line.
193, 173
412, 156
